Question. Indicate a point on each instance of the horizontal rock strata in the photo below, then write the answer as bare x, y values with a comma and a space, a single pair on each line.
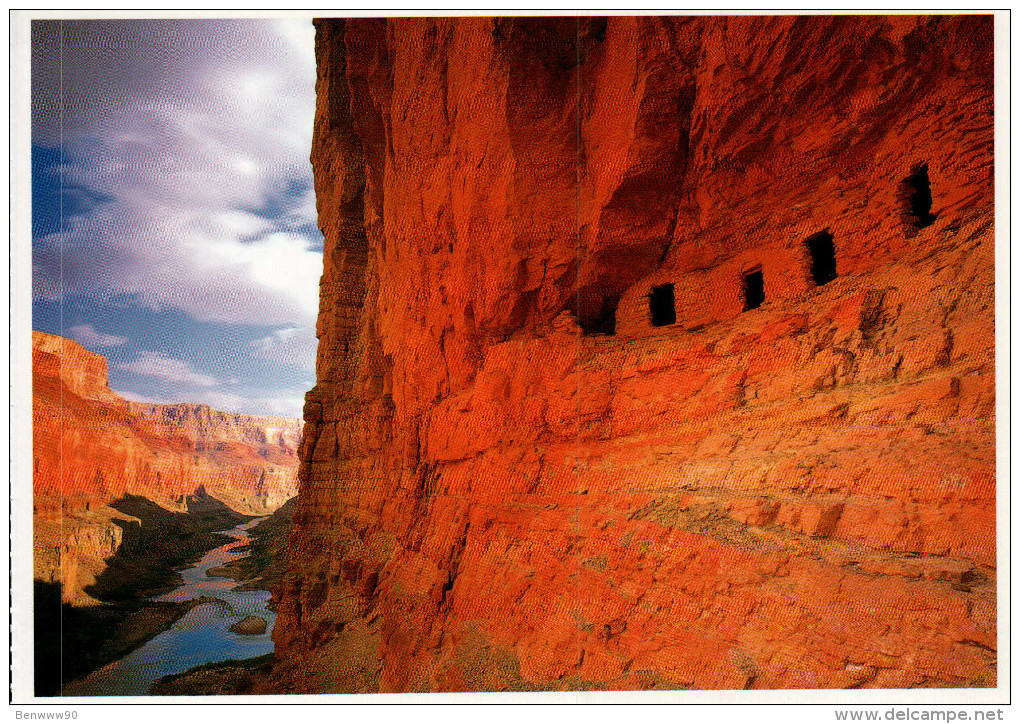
91, 447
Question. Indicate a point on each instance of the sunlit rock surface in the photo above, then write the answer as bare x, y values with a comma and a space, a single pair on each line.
512, 479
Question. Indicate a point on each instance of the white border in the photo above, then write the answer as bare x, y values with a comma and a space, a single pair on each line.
20, 331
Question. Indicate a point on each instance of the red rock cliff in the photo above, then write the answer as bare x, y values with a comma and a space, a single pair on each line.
653, 352
91, 447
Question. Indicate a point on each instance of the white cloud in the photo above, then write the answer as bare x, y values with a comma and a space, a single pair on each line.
294, 346
87, 336
277, 263
167, 369
200, 161
301, 35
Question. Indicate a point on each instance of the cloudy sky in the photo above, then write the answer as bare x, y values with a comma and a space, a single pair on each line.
173, 217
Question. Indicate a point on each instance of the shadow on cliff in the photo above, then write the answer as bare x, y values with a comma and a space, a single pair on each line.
159, 542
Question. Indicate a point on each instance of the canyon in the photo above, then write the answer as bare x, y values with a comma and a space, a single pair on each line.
104, 466
654, 352
126, 494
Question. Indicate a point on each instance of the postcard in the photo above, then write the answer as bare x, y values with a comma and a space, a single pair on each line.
511, 358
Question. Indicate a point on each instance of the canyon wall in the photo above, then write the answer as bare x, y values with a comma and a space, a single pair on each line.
91, 447
653, 353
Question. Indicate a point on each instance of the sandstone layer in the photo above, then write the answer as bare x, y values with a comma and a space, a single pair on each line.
653, 352
91, 448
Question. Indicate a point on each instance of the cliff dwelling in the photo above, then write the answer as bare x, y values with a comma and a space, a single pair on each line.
753, 289
802, 497
823, 257
662, 305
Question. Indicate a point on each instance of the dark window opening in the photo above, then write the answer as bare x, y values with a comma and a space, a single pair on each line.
823, 257
754, 289
662, 305
918, 199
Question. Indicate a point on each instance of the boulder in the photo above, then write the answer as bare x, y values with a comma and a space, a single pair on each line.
250, 626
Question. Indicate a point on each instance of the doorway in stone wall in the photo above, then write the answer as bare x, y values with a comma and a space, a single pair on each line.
753, 289
917, 201
823, 257
662, 305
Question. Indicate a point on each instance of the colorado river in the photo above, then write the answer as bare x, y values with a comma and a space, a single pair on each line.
200, 636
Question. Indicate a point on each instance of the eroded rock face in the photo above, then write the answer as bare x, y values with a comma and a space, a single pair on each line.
511, 478
92, 447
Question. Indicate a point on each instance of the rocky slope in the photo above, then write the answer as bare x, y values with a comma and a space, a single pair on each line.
653, 352
92, 448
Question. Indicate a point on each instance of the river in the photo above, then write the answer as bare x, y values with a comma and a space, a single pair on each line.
200, 636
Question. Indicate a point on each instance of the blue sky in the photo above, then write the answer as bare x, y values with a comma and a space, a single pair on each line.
173, 217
